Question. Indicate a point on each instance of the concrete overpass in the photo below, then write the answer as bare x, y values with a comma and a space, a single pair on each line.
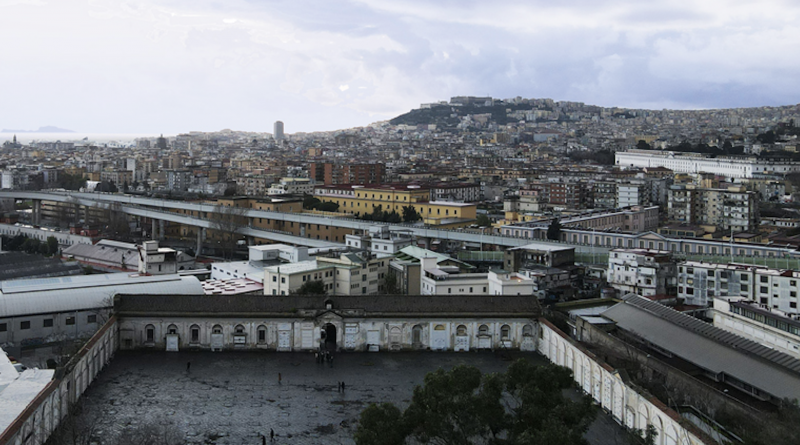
153, 208
588, 241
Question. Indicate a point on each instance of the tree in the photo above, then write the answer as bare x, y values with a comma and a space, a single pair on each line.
227, 220
483, 221
643, 145
52, 245
390, 284
524, 405
410, 214
310, 288
554, 230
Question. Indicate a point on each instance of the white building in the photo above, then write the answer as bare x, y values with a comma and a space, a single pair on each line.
292, 186
155, 260
774, 289
641, 271
772, 328
380, 240
732, 167
347, 274
446, 280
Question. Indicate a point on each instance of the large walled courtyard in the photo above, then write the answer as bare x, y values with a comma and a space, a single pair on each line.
233, 398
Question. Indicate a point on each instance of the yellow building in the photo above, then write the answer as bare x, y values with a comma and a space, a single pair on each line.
363, 200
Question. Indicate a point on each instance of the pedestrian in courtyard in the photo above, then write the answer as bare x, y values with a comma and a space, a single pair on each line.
188, 365
342, 386
263, 440
279, 378
271, 435
331, 361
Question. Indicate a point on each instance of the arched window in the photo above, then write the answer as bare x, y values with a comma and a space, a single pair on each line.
505, 332
217, 329
483, 330
150, 333
195, 333
172, 329
262, 334
439, 327
527, 331
461, 330
239, 329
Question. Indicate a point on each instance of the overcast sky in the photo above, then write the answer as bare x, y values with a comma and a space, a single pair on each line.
179, 65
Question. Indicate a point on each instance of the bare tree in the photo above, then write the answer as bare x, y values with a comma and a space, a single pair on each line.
226, 221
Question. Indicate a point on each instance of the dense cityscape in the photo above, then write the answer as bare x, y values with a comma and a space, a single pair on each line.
654, 254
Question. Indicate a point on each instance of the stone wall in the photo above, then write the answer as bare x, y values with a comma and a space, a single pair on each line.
45, 412
614, 393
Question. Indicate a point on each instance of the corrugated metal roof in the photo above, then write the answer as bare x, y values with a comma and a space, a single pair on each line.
709, 347
64, 294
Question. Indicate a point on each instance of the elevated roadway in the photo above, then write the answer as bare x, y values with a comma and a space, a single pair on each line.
154, 208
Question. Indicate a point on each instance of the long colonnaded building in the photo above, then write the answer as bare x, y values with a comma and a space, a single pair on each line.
730, 166
306, 323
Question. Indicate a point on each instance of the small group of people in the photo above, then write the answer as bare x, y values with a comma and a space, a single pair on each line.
323, 357
271, 437
341, 386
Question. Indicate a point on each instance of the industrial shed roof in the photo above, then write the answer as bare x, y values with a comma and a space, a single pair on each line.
63, 294
709, 347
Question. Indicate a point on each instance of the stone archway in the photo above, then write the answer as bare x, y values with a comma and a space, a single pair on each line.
328, 337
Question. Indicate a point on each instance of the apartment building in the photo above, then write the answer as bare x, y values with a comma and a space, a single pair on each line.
363, 200
292, 186
641, 271
699, 282
730, 209
330, 173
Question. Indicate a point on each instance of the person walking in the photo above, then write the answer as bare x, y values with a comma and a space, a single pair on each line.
342, 386
279, 378
188, 366
263, 440
271, 435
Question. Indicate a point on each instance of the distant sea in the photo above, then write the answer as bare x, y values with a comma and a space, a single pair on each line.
100, 138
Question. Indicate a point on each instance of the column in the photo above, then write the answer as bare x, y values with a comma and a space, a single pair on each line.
37, 211
161, 225
153, 230
199, 242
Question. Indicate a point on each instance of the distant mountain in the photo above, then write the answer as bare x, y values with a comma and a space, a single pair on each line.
45, 129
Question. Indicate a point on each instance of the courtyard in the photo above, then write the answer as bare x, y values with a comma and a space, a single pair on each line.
235, 397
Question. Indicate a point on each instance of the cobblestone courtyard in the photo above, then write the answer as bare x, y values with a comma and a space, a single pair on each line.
232, 398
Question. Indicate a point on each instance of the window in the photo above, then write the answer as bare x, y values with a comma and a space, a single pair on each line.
150, 333
24, 324
47, 323
461, 330
527, 331
483, 330
217, 329
3, 327
239, 329
70, 321
765, 279
91, 318
764, 289
274, 279
262, 335
504, 332
283, 279
195, 333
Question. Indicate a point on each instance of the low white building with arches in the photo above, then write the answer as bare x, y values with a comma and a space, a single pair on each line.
308, 323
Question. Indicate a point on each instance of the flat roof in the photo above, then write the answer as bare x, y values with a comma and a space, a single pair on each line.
298, 267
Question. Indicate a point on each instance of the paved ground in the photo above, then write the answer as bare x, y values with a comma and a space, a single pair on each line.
232, 398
